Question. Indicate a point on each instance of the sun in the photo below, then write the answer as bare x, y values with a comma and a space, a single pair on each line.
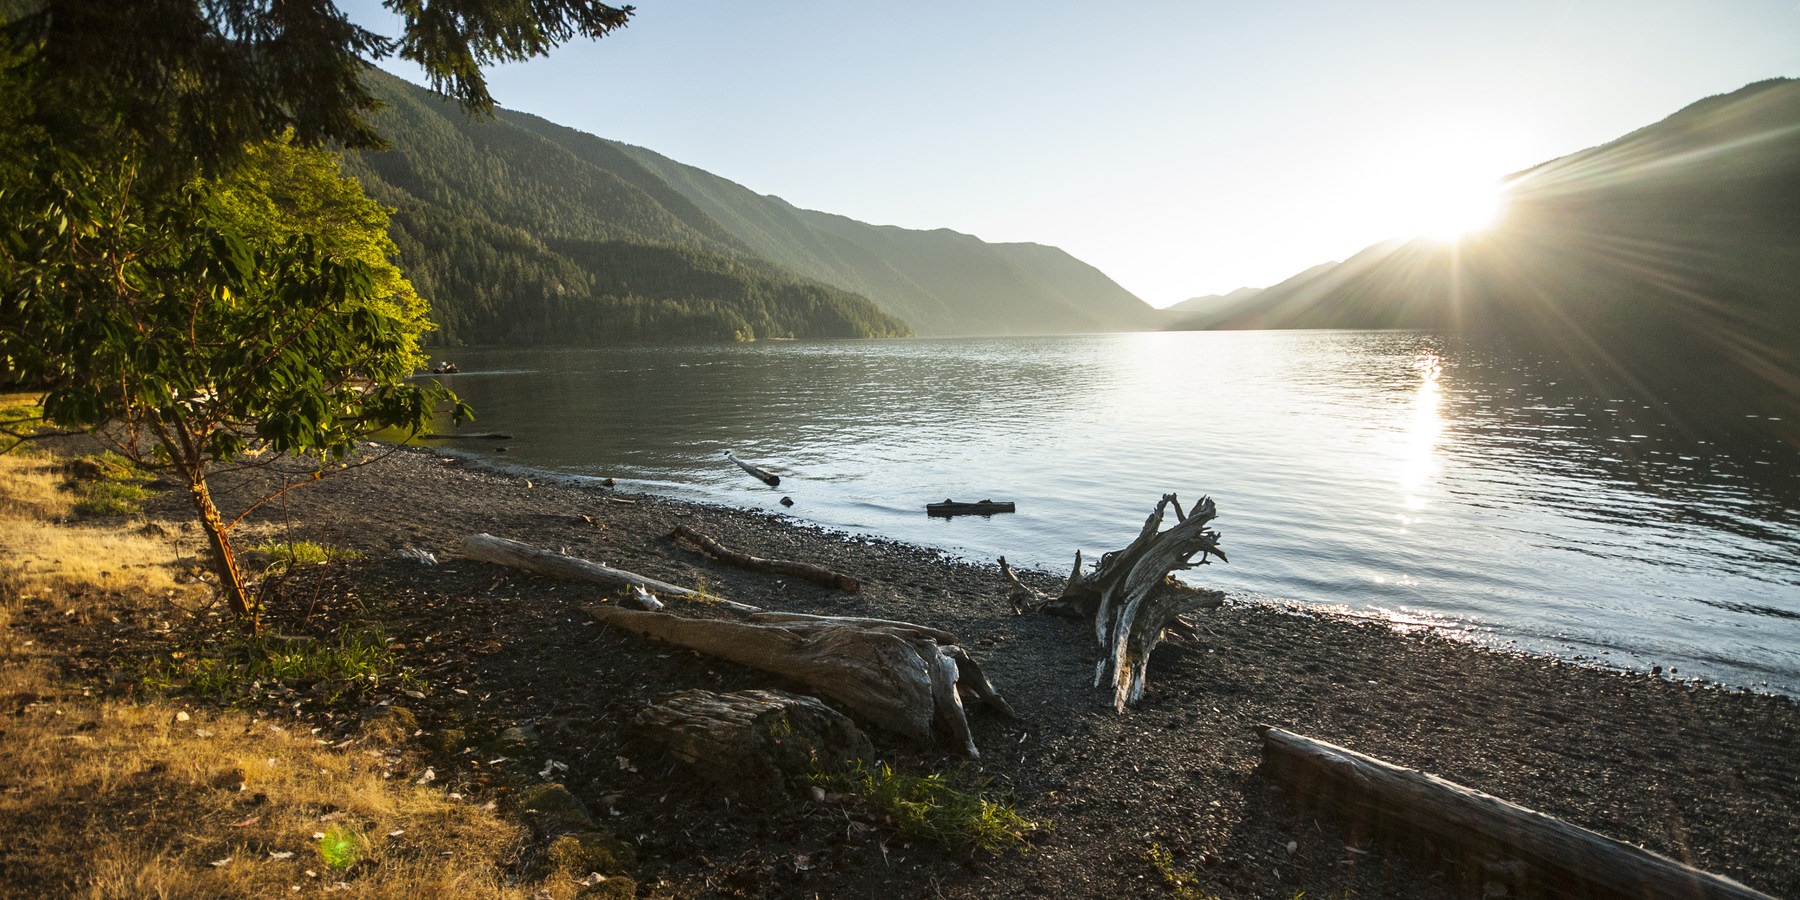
1452, 209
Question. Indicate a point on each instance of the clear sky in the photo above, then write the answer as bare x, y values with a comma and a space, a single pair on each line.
1184, 148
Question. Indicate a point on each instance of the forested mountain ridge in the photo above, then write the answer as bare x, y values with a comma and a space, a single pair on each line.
519, 239
503, 222
1671, 251
939, 281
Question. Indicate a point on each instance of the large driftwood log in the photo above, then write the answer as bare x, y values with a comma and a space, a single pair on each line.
500, 551
807, 571
756, 744
760, 474
1130, 598
1554, 856
905, 678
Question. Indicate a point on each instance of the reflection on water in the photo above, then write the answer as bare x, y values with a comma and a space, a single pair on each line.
1418, 475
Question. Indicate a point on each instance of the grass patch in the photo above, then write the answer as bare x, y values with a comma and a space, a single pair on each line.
928, 806
1183, 884
106, 484
358, 664
288, 554
170, 799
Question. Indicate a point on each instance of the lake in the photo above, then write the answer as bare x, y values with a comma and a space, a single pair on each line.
1426, 480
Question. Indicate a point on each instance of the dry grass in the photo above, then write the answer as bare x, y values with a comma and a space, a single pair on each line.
103, 798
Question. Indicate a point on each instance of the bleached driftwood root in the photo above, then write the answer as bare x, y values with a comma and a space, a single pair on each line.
1130, 598
906, 678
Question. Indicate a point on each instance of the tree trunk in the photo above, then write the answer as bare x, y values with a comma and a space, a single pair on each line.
1130, 597
224, 560
902, 677
1543, 853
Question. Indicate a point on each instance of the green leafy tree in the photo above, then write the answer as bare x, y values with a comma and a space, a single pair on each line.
255, 318
172, 264
191, 82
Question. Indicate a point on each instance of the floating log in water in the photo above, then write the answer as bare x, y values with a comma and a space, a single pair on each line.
807, 571
950, 508
1547, 854
762, 475
480, 436
905, 678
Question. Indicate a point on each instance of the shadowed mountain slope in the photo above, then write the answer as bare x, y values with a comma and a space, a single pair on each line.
1673, 251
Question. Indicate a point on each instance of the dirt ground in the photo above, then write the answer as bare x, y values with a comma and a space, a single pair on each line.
1706, 775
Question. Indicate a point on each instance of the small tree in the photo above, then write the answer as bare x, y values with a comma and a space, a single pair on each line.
251, 316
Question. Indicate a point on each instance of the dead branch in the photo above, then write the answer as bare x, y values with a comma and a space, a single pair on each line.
807, 571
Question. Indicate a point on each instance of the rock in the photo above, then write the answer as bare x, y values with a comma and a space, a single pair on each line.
582, 852
389, 725
520, 735
552, 810
759, 745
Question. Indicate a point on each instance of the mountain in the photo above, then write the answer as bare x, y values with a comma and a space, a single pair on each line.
518, 239
941, 282
521, 230
1200, 312
1673, 251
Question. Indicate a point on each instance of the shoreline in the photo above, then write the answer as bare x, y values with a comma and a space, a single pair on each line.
1400, 619
1708, 775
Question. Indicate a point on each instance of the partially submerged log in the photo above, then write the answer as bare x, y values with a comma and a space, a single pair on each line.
1130, 597
1548, 854
500, 551
950, 508
763, 475
906, 678
807, 571
755, 744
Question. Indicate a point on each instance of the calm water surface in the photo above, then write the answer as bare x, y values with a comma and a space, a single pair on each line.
1411, 476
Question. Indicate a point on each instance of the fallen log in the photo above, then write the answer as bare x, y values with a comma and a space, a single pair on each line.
1544, 853
1130, 598
899, 676
500, 551
763, 475
759, 745
950, 508
807, 571
1023, 597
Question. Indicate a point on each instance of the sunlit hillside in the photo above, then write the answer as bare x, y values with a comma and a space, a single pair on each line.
1668, 252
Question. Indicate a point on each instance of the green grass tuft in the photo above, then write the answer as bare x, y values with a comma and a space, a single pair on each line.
288, 554
928, 806
340, 847
359, 663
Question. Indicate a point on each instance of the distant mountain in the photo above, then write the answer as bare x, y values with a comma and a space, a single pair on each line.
1200, 312
940, 282
1674, 250
519, 239
524, 231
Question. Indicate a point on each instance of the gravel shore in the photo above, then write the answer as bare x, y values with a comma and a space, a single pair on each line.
1705, 775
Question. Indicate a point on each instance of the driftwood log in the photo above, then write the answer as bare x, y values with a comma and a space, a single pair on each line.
500, 551
906, 678
1130, 598
806, 571
763, 475
1545, 854
755, 744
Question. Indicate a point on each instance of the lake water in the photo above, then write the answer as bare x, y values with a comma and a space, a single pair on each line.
1414, 477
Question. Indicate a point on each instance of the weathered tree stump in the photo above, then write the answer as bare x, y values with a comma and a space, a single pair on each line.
1546, 854
1130, 598
906, 678
754, 744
